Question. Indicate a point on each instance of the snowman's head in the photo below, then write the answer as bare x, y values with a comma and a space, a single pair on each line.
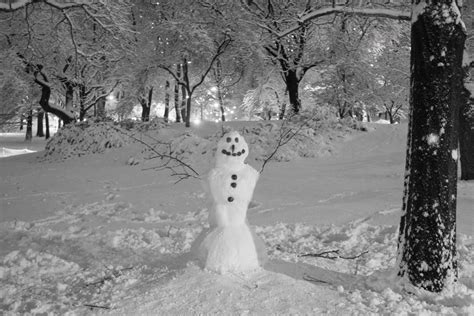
231, 149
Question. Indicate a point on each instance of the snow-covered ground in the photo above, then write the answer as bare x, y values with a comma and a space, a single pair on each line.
104, 233
12, 144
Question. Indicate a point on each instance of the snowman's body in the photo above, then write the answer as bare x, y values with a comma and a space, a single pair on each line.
230, 246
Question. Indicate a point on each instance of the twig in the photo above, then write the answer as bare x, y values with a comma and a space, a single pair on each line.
169, 157
91, 306
309, 278
336, 255
115, 274
284, 138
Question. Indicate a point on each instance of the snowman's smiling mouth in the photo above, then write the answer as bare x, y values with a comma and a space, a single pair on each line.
228, 153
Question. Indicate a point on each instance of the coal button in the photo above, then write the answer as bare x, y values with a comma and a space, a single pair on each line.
230, 199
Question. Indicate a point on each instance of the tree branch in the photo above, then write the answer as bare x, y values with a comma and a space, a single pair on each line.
381, 13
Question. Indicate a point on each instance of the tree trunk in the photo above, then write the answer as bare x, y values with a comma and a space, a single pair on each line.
184, 95
221, 103
167, 101
176, 94
292, 85
100, 107
281, 116
188, 111
44, 103
39, 126
21, 122
69, 100
146, 106
466, 136
390, 114
46, 120
29, 126
427, 239
218, 76
82, 103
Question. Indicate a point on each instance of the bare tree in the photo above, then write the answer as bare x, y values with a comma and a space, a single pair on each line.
61, 38
185, 80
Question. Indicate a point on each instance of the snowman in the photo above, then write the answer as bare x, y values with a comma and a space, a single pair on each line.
229, 245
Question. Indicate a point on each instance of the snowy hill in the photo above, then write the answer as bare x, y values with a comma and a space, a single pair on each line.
104, 233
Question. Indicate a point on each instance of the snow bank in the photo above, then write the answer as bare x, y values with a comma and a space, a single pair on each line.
308, 135
75, 140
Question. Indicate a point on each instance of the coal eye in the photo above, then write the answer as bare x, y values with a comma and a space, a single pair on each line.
236, 139
228, 139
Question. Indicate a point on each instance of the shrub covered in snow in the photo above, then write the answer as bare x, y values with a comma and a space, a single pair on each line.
310, 134
84, 138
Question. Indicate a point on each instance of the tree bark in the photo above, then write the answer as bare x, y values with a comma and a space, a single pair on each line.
39, 125
218, 76
282, 113
82, 102
29, 126
167, 101
188, 111
100, 108
146, 106
466, 136
176, 94
44, 103
427, 239
292, 85
466, 119
69, 96
46, 120
184, 95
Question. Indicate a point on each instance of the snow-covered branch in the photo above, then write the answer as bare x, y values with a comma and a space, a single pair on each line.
382, 13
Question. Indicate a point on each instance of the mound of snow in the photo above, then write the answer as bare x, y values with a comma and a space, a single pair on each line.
84, 138
307, 135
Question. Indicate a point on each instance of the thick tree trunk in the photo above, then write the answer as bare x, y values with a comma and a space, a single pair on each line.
46, 120
167, 101
427, 239
44, 103
39, 125
292, 85
176, 94
466, 136
29, 126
